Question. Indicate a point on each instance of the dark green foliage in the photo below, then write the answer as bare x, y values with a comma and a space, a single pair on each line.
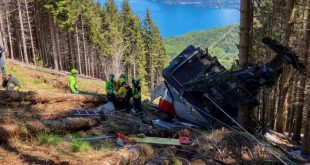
118, 36
155, 51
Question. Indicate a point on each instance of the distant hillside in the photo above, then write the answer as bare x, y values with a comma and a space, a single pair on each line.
204, 3
220, 41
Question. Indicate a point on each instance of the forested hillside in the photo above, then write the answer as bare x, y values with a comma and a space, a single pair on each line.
209, 3
65, 34
221, 43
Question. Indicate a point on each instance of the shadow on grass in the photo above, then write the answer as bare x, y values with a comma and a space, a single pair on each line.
31, 159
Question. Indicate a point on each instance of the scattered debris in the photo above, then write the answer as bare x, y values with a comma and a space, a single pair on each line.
154, 140
94, 138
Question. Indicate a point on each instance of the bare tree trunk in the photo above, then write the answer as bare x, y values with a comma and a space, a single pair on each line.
84, 48
30, 33
92, 64
22, 30
71, 55
9, 32
151, 72
301, 91
245, 27
306, 147
54, 46
285, 80
2, 37
60, 64
78, 48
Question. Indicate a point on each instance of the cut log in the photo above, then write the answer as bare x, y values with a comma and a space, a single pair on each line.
69, 124
33, 97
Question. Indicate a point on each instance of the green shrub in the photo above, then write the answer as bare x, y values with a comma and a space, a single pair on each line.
50, 139
79, 146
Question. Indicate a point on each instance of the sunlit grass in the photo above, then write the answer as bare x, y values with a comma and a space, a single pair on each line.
50, 139
31, 80
79, 146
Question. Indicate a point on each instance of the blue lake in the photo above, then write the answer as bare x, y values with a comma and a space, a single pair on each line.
177, 19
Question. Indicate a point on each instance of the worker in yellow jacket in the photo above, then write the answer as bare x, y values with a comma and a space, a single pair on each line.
72, 81
124, 93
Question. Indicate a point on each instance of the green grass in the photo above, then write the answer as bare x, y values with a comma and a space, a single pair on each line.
79, 146
37, 81
50, 139
48, 82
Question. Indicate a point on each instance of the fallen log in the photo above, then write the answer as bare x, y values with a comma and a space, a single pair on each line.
8, 130
69, 124
33, 97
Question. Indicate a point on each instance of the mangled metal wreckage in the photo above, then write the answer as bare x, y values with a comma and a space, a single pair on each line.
196, 85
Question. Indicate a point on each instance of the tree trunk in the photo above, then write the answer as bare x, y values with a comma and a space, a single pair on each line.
84, 48
60, 64
301, 91
2, 36
286, 76
30, 33
22, 30
54, 46
245, 11
9, 33
78, 48
306, 147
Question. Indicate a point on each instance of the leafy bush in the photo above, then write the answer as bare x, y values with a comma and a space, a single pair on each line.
79, 146
50, 139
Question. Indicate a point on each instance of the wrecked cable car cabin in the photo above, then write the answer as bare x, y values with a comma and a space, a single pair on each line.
199, 90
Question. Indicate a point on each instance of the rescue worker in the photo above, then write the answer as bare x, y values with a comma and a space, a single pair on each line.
73, 82
110, 88
136, 89
2, 62
10, 83
118, 83
124, 93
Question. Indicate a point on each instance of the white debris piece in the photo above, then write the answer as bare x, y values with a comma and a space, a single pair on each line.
272, 137
107, 108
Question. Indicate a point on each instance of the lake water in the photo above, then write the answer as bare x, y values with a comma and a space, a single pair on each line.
178, 19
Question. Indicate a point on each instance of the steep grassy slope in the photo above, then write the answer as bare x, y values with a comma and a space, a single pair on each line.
38, 81
220, 41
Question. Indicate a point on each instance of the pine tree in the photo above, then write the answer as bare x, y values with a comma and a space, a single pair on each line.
155, 51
